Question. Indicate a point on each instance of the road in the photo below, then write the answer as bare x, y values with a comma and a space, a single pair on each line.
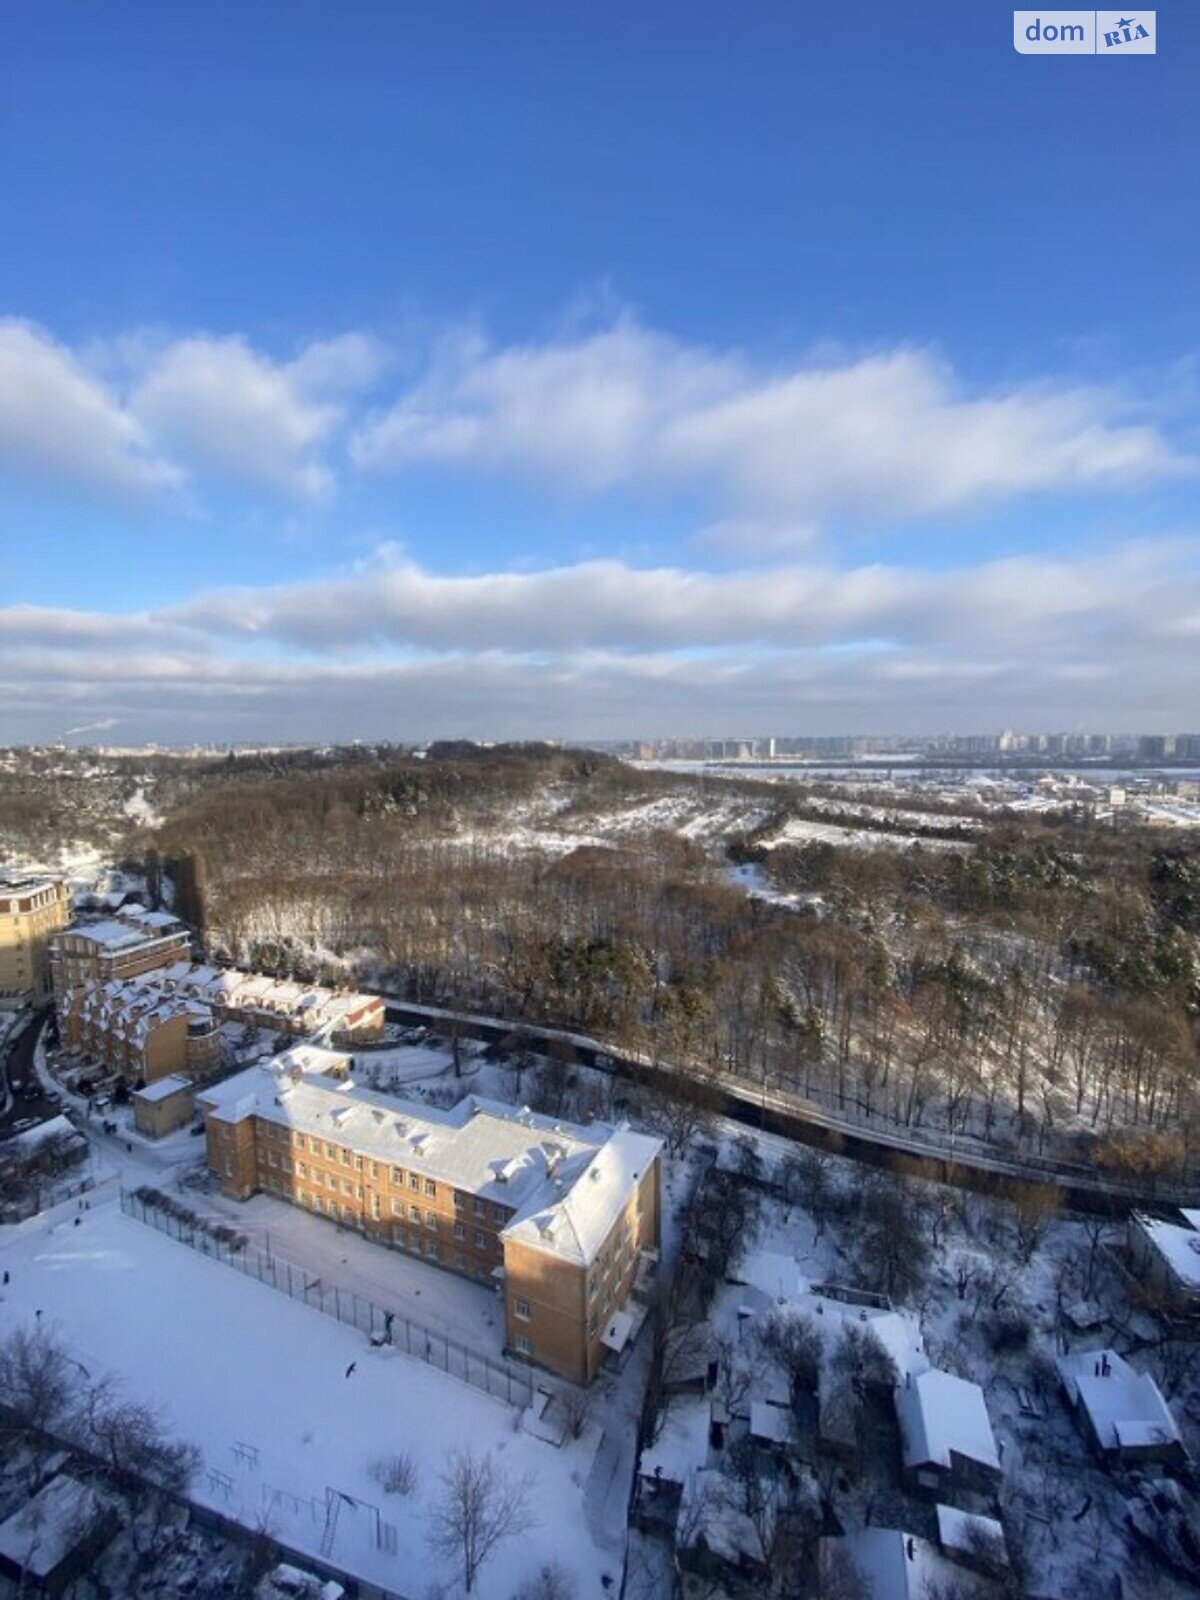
29, 1102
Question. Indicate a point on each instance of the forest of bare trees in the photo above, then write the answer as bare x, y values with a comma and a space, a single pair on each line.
1038, 988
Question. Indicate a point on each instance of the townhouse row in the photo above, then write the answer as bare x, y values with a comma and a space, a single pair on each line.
129, 995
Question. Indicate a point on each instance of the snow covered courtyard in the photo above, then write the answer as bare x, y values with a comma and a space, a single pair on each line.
287, 1404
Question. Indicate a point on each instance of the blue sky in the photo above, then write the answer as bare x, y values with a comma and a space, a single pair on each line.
408, 370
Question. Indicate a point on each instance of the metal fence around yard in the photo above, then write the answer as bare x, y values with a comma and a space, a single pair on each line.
381, 1324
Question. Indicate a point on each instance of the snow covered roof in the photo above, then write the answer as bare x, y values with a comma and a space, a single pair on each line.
575, 1212
109, 934
775, 1274
894, 1565
963, 1531
564, 1184
940, 1414
52, 1128
681, 1447
769, 1422
163, 1089
1125, 1407
47, 1528
1178, 1245
148, 919
766, 1273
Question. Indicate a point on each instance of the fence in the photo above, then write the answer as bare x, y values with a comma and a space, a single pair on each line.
383, 1326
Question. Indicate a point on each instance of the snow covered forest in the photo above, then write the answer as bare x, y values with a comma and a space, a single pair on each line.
1028, 980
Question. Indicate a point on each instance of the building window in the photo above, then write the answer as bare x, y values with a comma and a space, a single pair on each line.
460, 1261
480, 1240
497, 1213
430, 1187
397, 1208
459, 1231
414, 1213
460, 1200
524, 1344
431, 1219
522, 1310
413, 1181
397, 1174
480, 1208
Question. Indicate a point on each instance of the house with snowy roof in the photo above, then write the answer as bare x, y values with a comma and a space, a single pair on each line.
890, 1564
56, 1535
1165, 1254
558, 1217
946, 1437
1121, 1410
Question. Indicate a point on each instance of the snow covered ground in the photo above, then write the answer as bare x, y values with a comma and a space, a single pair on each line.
798, 830
259, 1382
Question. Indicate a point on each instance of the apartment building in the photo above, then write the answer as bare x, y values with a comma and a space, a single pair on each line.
138, 1030
560, 1219
130, 942
32, 910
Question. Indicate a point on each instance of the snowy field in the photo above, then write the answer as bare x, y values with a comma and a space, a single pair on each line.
259, 1383
799, 832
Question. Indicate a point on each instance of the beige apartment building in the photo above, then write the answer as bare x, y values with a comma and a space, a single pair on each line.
32, 911
131, 941
562, 1220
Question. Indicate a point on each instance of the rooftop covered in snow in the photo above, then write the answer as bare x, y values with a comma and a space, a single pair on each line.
566, 1184
1124, 1407
942, 1416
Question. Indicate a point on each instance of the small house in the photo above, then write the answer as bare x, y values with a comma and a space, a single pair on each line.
56, 1535
1120, 1410
163, 1106
1165, 1255
946, 1434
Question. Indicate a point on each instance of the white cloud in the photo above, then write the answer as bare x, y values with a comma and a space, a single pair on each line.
342, 365
609, 605
877, 437
230, 410
58, 422
586, 414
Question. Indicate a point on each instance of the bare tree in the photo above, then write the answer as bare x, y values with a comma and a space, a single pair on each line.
131, 1437
38, 1381
477, 1510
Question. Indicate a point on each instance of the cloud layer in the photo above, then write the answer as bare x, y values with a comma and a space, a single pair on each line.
603, 649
